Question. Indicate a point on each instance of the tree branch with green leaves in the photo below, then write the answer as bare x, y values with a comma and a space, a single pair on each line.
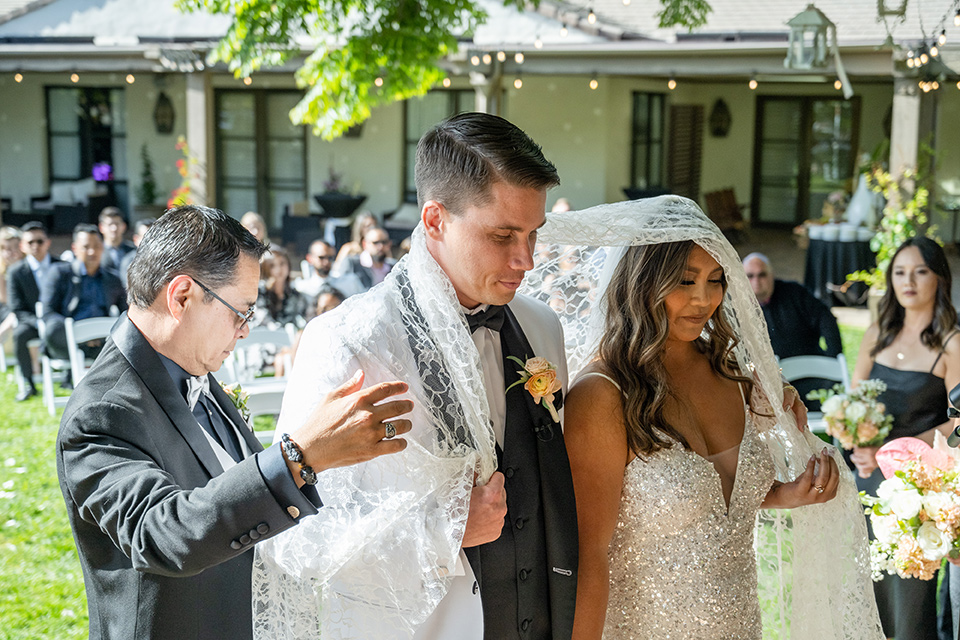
361, 54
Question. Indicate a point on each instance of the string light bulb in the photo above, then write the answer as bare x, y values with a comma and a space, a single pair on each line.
934, 50
910, 63
130, 79
74, 78
626, 3
487, 59
942, 38
518, 83
935, 85
924, 58
591, 16
563, 31
475, 60
956, 19
446, 83
837, 84
378, 81
538, 43
501, 56
594, 83
18, 77
671, 84
248, 81
518, 57
753, 83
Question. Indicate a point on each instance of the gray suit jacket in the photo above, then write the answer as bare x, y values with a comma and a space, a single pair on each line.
165, 537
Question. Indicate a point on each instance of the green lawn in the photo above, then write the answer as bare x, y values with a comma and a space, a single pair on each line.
41, 585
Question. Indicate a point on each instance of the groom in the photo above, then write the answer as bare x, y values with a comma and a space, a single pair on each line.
481, 186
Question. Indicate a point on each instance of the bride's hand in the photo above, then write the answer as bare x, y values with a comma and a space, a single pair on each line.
811, 487
865, 459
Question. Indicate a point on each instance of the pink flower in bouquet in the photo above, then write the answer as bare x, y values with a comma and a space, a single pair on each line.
867, 431
892, 456
911, 562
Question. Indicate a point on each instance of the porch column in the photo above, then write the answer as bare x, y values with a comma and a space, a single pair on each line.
200, 136
488, 89
913, 119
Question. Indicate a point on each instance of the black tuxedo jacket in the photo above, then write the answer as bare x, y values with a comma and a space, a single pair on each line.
165, 536
61, 290
22, 290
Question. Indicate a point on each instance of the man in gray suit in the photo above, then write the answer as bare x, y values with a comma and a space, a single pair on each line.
166, 487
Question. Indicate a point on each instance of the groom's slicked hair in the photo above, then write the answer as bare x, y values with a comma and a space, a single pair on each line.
462, 157
198, 241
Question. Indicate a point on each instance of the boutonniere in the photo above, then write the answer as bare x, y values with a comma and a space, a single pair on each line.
539, 377
238, 397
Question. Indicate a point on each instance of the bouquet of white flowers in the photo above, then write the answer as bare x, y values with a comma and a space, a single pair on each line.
855, 418
916, 512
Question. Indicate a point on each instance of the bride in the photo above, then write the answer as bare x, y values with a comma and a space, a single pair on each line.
677, 441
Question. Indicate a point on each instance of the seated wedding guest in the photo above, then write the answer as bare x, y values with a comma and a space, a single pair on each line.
913, 348
320, 261
796, 321
24, 280
113, 228
10, 254
257, 226
279, 302
362, 222
167, 489
79, 289
139, 229
374, 262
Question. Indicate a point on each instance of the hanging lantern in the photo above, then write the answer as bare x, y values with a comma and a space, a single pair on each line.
808, 45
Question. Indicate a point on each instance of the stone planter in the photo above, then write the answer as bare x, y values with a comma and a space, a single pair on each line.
339, 205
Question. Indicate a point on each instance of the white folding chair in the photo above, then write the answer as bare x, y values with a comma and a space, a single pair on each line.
825, 367
243, 364
50, 369
265, 399
80, 332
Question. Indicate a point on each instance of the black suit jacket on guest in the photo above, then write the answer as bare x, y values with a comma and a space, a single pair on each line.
60, 293
165, 536
22, 290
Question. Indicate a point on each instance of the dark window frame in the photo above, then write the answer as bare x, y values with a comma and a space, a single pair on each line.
262, 183
456, 99
647, 138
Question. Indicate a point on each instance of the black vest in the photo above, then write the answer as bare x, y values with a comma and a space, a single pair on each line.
513, 571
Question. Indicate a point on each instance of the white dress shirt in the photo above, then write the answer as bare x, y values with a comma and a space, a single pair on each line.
39, 268
491, 360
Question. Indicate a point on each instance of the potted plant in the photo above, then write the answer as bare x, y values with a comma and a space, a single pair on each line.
335, 201
147, 191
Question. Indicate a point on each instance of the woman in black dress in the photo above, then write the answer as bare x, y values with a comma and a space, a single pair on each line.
914, 350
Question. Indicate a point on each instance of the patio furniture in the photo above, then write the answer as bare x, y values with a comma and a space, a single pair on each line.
723, 209
824, 367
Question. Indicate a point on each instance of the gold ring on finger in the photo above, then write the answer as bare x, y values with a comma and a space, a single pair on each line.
818, 488
390, 431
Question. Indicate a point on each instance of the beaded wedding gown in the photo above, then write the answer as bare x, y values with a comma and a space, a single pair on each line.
682, 562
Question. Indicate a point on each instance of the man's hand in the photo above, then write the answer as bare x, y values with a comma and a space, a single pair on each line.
792, 402
349, 426
488, 507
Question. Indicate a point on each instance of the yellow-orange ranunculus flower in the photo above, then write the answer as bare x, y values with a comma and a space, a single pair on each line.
543, 385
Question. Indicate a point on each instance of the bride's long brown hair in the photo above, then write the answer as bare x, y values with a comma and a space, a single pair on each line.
635, 335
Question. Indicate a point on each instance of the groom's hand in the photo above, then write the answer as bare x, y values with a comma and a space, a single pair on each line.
488, 507
349, 426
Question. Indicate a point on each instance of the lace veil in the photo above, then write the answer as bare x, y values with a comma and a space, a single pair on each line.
813, 562
379, 556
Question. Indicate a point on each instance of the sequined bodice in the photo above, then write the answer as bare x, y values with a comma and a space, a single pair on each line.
681, 564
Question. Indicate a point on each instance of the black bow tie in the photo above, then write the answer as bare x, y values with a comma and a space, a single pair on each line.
491, 318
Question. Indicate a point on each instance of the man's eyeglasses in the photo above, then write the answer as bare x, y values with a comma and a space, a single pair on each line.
244, 317
952, 413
